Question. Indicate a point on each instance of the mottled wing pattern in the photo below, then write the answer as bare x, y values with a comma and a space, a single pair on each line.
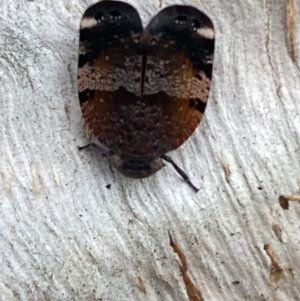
178, 70
143, 93
109, 68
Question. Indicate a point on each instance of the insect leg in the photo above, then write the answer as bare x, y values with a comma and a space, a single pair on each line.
104, 152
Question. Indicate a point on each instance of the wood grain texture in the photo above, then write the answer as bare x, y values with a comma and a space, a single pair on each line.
66, 236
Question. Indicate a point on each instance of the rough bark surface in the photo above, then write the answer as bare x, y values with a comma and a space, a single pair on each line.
66, 236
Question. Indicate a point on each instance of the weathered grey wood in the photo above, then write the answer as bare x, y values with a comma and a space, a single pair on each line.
65, 236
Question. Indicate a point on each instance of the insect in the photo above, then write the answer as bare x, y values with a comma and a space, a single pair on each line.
143, 91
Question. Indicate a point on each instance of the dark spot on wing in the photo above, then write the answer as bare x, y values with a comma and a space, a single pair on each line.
86, 95
198, 104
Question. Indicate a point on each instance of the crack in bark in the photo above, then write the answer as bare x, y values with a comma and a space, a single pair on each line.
277, 86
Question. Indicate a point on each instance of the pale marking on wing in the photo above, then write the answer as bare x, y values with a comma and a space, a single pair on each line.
206, 32
88, 22
200, 87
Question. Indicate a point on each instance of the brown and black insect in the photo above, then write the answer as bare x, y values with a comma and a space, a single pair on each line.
143, 91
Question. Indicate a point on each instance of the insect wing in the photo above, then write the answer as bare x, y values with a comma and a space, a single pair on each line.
109, 67
179, 48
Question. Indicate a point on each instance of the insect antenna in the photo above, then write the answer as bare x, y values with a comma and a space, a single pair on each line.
180, 171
